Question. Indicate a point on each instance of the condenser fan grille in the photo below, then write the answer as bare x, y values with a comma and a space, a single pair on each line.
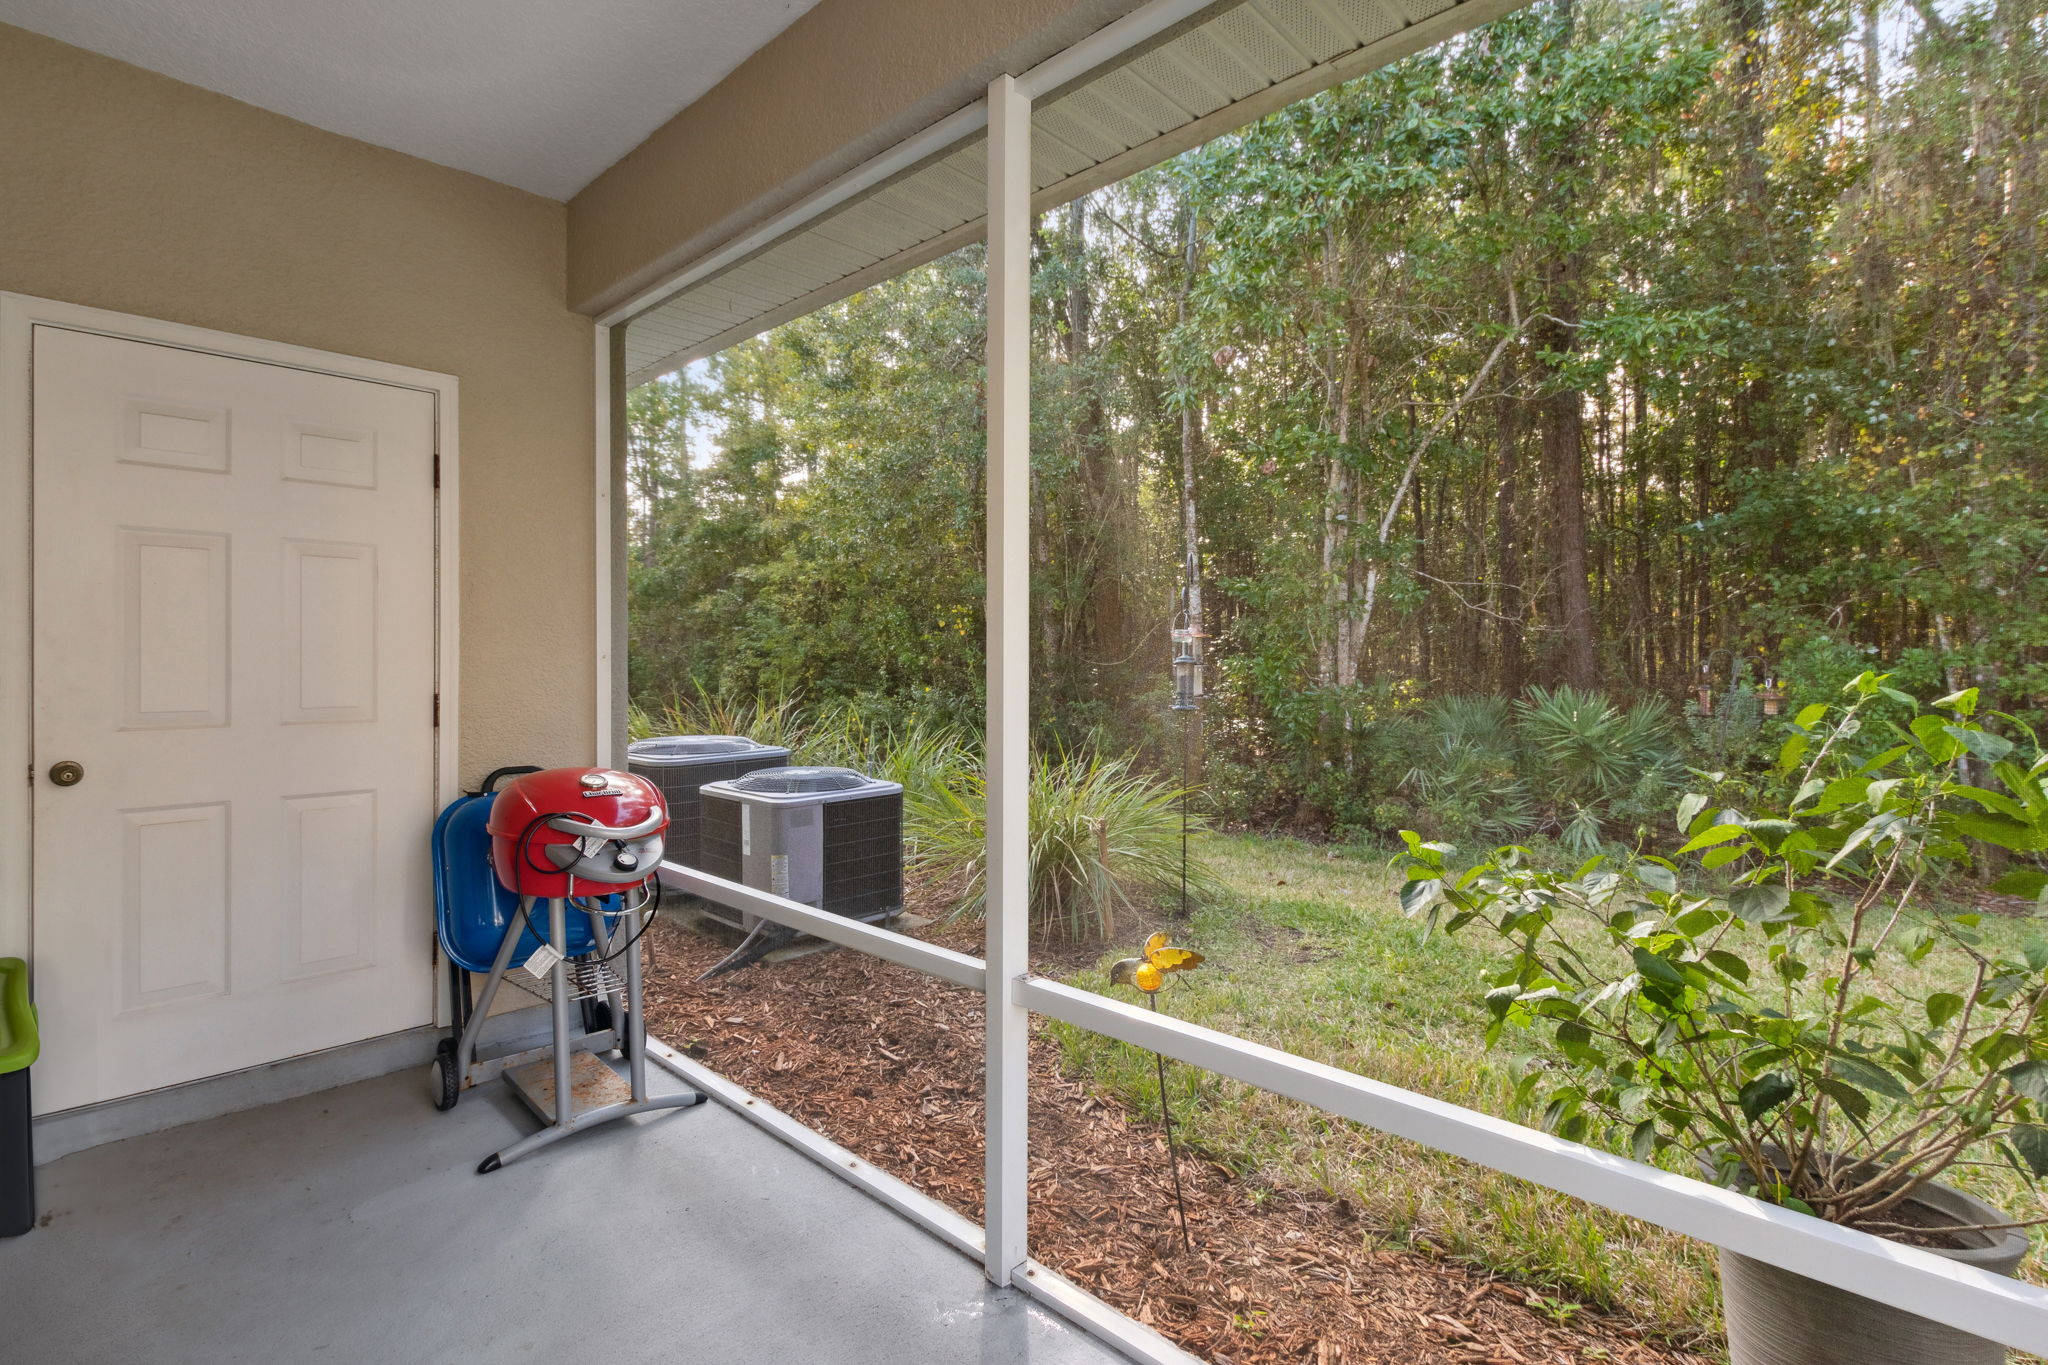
691, 746
800, 781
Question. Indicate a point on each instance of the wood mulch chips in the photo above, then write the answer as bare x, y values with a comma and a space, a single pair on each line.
887, 1062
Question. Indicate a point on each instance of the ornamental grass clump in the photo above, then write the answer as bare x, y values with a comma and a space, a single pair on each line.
1773, 1000
1100, 833
921, 754
779, 721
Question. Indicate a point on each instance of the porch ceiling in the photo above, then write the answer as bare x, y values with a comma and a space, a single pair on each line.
1225, 67
534, 93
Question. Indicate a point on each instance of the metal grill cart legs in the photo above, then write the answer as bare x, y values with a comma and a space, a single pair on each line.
564, 1082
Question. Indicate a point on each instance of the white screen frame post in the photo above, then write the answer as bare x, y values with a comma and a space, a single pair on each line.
611, 551
1005, 1192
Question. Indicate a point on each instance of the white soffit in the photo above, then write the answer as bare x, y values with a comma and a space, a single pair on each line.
1223, 68
539, 94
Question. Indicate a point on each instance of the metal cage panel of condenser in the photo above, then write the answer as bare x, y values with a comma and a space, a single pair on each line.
681, 764
829, 837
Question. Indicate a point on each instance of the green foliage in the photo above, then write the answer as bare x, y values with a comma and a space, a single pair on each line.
1101, 834
1761, 291
765, 720
1559, 761
1594, 762
926, 756
828, 540
1730, 736
1750, 999
1470, 783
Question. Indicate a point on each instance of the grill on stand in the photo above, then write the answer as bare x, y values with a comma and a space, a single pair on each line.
549, 884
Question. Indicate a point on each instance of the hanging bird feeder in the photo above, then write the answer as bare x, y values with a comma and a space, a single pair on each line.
1187, 642
1187, 695
1187, 681
1187, 668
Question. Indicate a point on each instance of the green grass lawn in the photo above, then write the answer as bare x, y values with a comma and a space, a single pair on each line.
1308, 951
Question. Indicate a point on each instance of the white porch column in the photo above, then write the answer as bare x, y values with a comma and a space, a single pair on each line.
1009, 672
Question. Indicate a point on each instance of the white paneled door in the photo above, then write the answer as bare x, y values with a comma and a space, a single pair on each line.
234, 644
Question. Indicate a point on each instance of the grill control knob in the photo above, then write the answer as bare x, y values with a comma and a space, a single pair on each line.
67, 773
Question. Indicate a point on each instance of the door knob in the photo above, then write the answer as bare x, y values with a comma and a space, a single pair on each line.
67, 773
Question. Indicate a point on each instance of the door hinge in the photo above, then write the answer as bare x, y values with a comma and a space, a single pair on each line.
437, 710
437, 469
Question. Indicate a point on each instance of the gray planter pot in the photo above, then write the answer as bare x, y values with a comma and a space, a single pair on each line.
1778, 1318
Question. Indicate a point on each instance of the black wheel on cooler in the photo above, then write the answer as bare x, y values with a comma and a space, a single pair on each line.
447, 1076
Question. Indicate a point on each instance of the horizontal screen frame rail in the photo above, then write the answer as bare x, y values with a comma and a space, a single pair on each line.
2008, 1311
887, 944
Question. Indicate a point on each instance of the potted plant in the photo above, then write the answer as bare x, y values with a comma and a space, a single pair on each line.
1774, 1002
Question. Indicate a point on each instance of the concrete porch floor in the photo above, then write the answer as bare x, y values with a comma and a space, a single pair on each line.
350, 1226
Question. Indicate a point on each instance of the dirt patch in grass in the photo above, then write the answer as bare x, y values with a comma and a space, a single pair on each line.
887, 1062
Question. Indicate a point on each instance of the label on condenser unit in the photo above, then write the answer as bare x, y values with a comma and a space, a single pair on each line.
778, 873
746, 830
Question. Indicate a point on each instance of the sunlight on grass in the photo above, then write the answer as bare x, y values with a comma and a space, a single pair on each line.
1316, 958
1309, 951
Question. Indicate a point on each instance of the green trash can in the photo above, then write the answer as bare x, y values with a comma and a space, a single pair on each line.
19, 1044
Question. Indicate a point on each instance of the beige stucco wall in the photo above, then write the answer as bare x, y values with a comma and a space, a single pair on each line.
846, 81
126, 190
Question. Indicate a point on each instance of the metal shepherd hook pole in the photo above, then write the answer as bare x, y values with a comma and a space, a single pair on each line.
1188, 638
1187, 699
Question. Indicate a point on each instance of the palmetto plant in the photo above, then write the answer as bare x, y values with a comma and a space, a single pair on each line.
1591, 750
1470, 782
1474, 721
1593, 761
1100, 833
1563, 759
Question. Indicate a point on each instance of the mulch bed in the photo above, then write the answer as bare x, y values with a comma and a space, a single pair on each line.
887, 1062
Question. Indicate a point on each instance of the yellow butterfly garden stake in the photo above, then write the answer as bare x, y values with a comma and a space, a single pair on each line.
1148, 974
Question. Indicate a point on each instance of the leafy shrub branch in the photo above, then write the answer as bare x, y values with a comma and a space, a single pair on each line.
1771, 998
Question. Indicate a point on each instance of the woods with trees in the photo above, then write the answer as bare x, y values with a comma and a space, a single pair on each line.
1611, 347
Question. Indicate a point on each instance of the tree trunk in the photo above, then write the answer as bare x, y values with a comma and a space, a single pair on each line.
1099, 545
1190, 521
1562, 424
1560, 412
1507, 605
